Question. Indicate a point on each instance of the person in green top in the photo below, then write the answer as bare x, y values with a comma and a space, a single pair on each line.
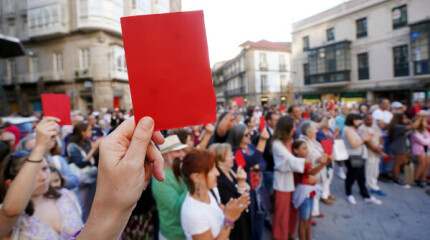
170, 194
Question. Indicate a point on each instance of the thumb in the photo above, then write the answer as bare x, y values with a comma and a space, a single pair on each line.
141, 138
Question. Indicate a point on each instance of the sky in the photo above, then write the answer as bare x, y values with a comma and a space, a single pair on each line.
229, 23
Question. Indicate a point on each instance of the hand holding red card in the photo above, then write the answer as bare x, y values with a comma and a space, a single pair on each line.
57, 105
239, 101
239, 158
168, 68
327, 145
262, 123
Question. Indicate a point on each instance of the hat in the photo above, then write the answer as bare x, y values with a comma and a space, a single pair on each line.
396, 105
171, 143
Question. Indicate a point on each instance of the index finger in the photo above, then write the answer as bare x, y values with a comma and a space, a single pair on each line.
51, 119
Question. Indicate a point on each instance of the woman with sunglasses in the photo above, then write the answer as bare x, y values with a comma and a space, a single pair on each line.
30, 208
240, 140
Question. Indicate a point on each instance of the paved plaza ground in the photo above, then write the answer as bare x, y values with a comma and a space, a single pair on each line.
404, 215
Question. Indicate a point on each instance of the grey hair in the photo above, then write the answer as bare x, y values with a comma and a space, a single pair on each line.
306, 126
236, 134
21, 144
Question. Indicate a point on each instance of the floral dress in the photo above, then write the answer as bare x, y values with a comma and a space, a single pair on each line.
31, 228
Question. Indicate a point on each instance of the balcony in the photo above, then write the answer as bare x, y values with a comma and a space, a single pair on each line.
47, 22
105, 17
264, 66
336, 78
83, 74
7, 80
282, 67
234, 92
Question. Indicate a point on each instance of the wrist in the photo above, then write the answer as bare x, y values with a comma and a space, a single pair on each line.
228, 223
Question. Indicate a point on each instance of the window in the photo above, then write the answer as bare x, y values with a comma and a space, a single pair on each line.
10, 68
283, 83
306, 43
47, 16
282, 65
263, 62
400, 17
84, 58
33, 64
58, 62
363, 66
39, 14
361, 27
119, 63
54, 10
306, 74
420, 47
11, 29
401, 62
330, 63
330, 34
263, 83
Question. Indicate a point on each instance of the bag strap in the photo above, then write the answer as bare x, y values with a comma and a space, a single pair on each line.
213, 194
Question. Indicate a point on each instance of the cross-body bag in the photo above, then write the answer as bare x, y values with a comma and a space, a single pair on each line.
87, 174
357, 161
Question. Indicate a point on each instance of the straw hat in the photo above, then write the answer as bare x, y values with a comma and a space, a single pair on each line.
171, 143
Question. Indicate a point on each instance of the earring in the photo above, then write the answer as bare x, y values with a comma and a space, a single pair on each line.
198, 192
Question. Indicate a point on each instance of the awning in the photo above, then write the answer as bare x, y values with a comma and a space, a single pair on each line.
10, 47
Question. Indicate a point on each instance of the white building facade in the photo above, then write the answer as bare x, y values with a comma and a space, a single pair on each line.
363, 49
260, 74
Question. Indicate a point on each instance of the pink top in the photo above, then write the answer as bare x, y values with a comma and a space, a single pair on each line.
418, 141
31, 228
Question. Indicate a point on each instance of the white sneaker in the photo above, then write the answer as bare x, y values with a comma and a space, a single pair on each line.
373, 200
341, 173
351, 199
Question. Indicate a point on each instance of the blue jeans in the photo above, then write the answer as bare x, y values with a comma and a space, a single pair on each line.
257, 230
383, 166
268, 181
305, 209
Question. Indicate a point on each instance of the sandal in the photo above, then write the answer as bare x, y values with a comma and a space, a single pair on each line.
313, 223
327, 201
332, 197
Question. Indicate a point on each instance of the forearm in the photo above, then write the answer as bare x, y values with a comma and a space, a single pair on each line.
316, 170
104, 222
205, 140
225, 232
261, 144
21, 188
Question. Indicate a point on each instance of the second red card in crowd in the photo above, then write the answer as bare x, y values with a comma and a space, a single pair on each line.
262, 123
168, 69
239, 158
239, 101
57, 105
327, 145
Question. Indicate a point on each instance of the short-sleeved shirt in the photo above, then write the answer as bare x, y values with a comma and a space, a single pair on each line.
197, 217
385, 116
374, 131
340, 122
398, 140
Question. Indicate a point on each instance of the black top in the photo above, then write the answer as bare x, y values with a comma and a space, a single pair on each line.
215, 138
227, 190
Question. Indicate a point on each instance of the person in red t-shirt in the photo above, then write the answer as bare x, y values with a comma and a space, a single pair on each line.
303, 197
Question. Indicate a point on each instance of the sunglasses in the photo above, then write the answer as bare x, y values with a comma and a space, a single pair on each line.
247, 135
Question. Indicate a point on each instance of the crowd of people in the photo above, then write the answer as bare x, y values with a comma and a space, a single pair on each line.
257, 167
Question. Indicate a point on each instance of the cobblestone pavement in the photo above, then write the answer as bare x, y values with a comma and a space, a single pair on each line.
404, 215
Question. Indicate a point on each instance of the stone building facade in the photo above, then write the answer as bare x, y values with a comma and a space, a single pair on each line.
72, 47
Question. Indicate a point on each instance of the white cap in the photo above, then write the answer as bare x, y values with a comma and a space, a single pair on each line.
171, 143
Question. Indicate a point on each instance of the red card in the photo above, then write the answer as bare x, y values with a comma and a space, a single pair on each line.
168, 69
327, 145
57, 105
281, 108
262, 123
239, 101
331, 106
239, 158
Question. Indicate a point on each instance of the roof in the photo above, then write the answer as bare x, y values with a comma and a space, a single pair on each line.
267, 45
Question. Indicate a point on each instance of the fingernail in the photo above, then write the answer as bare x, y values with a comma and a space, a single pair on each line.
146, 123
164, 175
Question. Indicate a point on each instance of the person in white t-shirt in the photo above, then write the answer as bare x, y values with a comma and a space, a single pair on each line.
382, 118
202, 216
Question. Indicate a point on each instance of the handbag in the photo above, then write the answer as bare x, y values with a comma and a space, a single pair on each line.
357, 161
409, 173
339, 150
